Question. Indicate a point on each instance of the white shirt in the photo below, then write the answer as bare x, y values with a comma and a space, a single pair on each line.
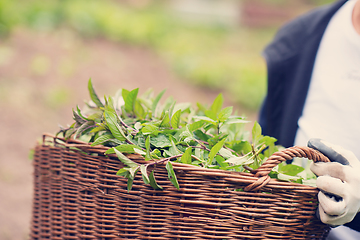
332, 106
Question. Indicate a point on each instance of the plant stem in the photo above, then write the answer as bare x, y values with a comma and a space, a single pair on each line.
248, 168
255, 154
231, 150
163, 160
205, 148
196, 158
256, 162
127, 126
172, 157
202, 145
128, 141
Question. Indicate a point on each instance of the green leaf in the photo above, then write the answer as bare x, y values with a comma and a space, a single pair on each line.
146, 103
109, 104
69, 132
236, 121
115, 129
199, 153
290, 169
129, 184
84, 128
242, 147
268, 140
137, 126
243, 160
186, 135
173, 149
139, 151
221, 161
256, 133
80, 114
95, 116
186, 157
147, 146
99, 128
201, 107
211, 114
217, 104
78, 118
156, 154
94, 97
225, 114
122, 172
184, 107
214, 150
143, 169
183, 133
165, 122
168, 104
156, 101
150, 129
118, 99
133, 170
285, 177
102, 139
206, 119
124, 159
141, 141
114, 140
196, 125
123, 148
130, 100
171, 109
124, 93
175, 119
131, 177
160, 141
172, 175
139, 110
309, 182
226, 153
153, 182
201, 135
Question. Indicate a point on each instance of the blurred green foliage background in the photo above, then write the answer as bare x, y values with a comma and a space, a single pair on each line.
215, 56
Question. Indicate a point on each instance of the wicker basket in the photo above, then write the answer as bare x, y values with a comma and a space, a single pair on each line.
77, 195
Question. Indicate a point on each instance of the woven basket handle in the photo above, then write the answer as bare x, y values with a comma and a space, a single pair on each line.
278, 157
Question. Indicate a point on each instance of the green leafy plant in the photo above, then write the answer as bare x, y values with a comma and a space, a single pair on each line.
209, 137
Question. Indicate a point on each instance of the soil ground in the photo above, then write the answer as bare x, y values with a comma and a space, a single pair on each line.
42, 77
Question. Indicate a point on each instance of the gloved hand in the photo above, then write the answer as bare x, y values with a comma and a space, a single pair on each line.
339, 183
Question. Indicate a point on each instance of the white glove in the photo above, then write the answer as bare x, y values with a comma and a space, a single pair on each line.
339, 183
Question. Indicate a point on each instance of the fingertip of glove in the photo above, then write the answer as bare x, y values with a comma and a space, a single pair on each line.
315, 143
319, 145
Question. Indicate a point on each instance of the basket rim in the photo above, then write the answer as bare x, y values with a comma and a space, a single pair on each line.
49, 139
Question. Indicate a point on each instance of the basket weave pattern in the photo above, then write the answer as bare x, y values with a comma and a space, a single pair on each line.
77, 195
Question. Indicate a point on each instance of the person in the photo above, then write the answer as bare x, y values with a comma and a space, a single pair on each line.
313, 66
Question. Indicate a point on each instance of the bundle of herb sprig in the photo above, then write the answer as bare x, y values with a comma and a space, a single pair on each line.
209, 137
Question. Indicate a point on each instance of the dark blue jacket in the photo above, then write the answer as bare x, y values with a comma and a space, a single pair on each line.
290, 59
